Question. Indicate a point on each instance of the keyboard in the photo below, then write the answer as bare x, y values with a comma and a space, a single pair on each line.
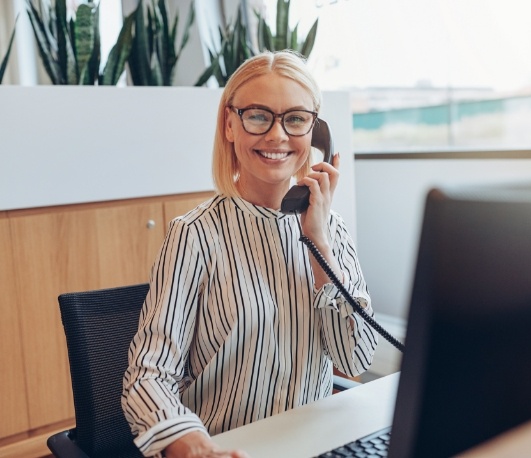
372, 445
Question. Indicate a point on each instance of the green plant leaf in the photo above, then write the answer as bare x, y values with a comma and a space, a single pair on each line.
165, 49
241, 47
186, 34
132, 61
84, 39
310, 40
231, 55
209, 71
139, 65
151, 30
43, 44
95, 58
285, 38
293, 39
71, 66
48, 19
264, 35
3, 64
260, 26
218, 64
220, 69
156, 71
69, 49
61, 29
205, 76
177, 50
119, 54
154, 52
281, 39
235, 49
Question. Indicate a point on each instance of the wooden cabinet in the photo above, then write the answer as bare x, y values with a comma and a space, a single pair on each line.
71, 250
14, 407
49, 251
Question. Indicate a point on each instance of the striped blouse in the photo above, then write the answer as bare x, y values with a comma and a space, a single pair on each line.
232, 329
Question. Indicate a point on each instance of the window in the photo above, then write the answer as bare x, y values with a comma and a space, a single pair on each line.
425, 73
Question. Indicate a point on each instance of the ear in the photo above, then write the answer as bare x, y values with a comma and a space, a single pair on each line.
229, 132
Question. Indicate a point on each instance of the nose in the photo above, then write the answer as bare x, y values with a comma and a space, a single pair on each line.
277, 132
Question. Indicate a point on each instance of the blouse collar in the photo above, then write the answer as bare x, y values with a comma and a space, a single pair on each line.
256, 210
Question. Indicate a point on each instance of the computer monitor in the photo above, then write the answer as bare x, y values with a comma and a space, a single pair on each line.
466, 372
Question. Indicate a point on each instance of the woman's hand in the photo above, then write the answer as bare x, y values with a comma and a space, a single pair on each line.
198, 445
322, 182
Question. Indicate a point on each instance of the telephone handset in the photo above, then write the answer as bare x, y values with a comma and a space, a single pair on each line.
297, 199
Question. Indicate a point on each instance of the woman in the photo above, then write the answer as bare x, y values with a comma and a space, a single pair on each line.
241, 322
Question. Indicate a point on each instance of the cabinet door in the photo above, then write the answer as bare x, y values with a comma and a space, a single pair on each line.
14, 407
129, 237
72, 250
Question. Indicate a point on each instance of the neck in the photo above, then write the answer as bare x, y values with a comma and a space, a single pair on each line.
269, 198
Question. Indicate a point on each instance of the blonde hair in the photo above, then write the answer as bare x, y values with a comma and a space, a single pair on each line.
289, 64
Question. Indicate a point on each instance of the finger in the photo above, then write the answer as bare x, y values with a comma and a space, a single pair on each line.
331, 169
328, 166
325, 167
317, 180
336, 160
334, 177
319, 175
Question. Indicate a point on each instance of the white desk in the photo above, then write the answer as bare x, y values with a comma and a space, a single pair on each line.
315, 428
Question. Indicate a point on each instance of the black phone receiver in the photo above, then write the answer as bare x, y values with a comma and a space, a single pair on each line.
297, 198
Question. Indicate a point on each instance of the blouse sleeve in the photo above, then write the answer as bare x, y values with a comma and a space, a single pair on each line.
348, 340
157, 356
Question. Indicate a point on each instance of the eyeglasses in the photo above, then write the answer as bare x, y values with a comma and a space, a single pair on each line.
258, 121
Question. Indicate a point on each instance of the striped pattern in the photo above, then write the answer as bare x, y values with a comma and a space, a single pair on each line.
232, 329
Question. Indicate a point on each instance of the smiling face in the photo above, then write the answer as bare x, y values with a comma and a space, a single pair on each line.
268, 161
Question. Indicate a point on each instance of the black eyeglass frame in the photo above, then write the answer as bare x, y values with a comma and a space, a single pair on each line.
241, 111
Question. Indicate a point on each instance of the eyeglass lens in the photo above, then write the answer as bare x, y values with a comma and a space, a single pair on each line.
259, 121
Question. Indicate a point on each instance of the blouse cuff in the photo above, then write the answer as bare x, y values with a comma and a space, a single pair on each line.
153, 441
329, 297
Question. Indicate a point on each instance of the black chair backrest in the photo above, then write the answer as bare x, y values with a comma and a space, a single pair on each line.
99, 326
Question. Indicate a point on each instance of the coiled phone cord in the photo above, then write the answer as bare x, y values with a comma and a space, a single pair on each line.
355, 304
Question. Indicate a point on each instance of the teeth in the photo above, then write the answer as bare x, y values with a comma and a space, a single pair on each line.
273, 155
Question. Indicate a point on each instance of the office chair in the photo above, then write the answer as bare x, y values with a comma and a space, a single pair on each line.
99, 326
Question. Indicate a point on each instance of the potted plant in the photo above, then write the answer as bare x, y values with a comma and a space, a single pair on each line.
70, 49
237, 47
285, 37
154, 49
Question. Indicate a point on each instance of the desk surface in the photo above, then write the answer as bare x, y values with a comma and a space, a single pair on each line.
320, 426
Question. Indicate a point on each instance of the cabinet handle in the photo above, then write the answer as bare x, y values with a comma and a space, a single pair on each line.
150, 224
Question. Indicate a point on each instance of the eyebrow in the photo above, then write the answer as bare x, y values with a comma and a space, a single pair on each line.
265, 107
